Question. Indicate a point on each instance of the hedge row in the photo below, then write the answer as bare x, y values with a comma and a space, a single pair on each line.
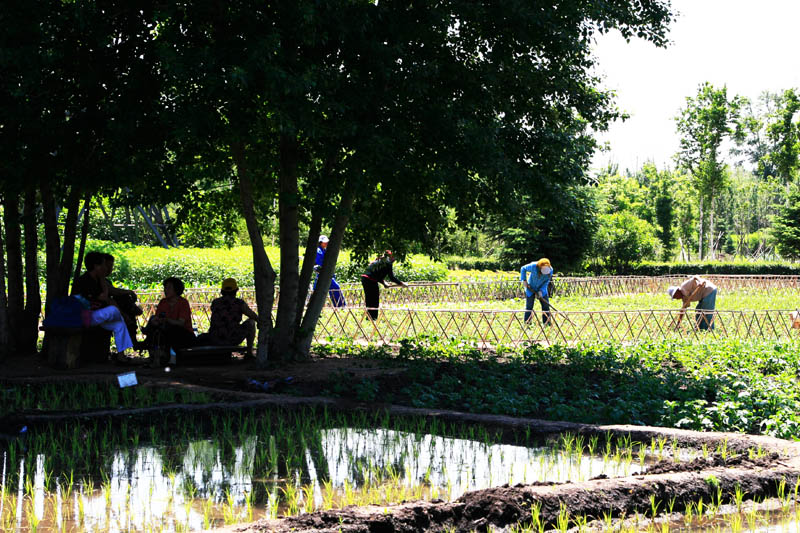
753, 268
649, 268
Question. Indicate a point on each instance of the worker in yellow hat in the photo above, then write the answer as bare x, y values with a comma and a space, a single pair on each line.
535, 278
226, 327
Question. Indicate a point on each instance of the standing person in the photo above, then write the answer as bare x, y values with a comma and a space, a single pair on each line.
702, 291
171, 327
535, 277
335, 292
375, 273
226, 314
91, 285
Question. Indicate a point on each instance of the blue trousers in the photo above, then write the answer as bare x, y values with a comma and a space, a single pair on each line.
529, 300
704, 312
335, 292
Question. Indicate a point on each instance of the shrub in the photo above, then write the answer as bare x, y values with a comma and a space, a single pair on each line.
624, 240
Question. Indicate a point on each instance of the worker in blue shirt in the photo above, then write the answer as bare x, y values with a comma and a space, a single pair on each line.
335, 292
535, 277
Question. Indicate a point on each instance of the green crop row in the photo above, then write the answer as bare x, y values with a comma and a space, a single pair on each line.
739, 386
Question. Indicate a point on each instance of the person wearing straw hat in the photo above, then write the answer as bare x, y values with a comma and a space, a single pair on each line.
535, 277
375, 273
226, 314
702, 291
335, 292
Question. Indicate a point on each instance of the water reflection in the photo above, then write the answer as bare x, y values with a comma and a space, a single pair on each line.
210, 484
454, 465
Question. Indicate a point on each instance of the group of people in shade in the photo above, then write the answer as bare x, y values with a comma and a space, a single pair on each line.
537, 276
171, 327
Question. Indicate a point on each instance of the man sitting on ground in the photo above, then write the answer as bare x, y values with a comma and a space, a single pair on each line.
91, 285
226, 314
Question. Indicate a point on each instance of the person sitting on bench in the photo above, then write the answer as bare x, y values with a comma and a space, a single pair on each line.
91, 285
171, 326
226, 328
123, 299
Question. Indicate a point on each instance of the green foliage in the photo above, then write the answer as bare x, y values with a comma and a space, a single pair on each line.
140, 266
623, 240
786, 226
740, 267
716, 386
557, 225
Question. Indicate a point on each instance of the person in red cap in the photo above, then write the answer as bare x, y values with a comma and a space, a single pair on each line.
226, 314
375, 273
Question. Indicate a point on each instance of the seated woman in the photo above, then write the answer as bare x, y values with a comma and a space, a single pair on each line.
226, 314
171, 327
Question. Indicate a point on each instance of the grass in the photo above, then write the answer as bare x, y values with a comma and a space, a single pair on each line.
58, 397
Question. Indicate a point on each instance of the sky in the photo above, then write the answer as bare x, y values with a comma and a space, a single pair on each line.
749, 45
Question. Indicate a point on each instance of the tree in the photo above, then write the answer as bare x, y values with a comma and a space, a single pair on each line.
80, 114
706, 121
623, 240
379, 119
560, 229
784, 132
786, 226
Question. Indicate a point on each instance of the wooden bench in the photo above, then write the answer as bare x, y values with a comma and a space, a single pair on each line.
69, 348
206, 355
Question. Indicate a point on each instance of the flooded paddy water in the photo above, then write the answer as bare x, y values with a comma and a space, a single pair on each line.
190, 473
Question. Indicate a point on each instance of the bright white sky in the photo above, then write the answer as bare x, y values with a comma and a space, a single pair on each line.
749, 45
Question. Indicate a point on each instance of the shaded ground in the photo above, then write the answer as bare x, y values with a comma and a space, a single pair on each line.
496, 507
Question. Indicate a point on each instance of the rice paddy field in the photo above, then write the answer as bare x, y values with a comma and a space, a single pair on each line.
193, 473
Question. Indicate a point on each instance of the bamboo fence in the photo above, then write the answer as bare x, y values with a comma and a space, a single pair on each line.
475, 291
487, 328
403, 313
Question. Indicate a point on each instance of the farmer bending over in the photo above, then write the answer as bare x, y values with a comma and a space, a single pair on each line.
702, 291
226, 314
535, 277
375, 273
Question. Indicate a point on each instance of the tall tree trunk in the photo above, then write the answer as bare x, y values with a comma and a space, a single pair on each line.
288, 209
52, 244
700, 232
29, 332
16, 296
5, 347
264, 274
309, 324
711, 227
68, 247
84, 235
309, 260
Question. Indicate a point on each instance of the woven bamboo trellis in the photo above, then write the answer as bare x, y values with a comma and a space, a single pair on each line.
474, 291
496, 327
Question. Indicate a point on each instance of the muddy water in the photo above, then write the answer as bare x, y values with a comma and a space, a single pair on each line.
214, 485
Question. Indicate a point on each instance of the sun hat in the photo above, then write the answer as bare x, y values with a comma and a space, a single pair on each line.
323, 238
230, 284
671, 291
543, 262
